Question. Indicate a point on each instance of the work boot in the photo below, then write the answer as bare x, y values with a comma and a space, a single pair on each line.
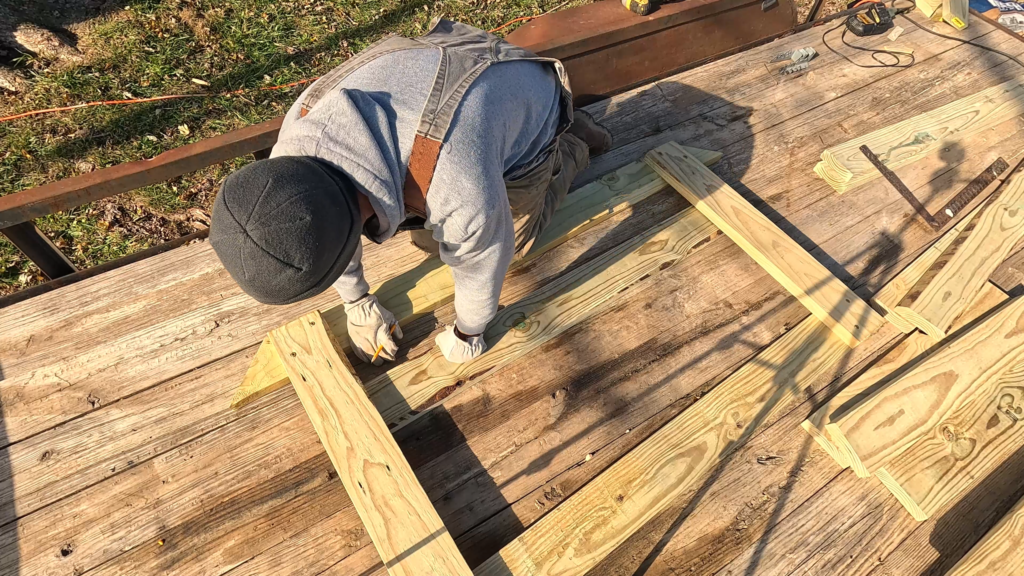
597, 138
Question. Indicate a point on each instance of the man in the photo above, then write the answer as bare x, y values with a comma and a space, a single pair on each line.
472, 135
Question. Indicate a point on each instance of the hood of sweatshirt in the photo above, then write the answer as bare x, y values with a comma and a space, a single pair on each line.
366, 150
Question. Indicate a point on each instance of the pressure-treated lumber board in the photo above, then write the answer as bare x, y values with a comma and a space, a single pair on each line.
890, 295
943, 465
579, 533
403, 524
844, 167
929, 7
940, 466
559, 350
959, 372
967, 263
956, 13
233, 507
889, 367
563, 351
430, 284
827, 298
519, 328
1001, 551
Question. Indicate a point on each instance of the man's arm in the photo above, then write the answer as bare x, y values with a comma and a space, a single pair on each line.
372, 329
352, 285
479, 263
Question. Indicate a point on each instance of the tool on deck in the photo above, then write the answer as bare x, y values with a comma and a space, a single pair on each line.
796, 56
639, 7
799, 60
971, 191
954, 206
794, 68
877, 19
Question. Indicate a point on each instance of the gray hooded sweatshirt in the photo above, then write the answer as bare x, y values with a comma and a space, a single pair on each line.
366, 129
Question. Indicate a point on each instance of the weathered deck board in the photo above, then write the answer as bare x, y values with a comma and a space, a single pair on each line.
943, 71
66, 364
487, 454
142, 423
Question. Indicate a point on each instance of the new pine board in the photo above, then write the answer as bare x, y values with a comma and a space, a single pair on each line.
403, 524
1001, 551
409, 387
231, 485
890, 295
886, 369
968, 445
827, 298
940, 467
430, 284
584, 529
303, 416
991, 237
961, 371
844, 167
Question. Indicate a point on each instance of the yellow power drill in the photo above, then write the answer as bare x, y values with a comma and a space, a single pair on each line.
641, 7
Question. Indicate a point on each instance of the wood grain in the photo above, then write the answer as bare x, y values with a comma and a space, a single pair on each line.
888, 368
956, 13
827, 298
842, 228
968, 444
844, 167
411, 386
236, 490
580, 532
968, 262
893, 293
959, 372
406, 530
1000, 551
430, 284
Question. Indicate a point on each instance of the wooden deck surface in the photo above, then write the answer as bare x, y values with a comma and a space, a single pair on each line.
119, 453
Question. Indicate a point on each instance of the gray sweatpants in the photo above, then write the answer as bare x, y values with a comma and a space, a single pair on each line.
535, 196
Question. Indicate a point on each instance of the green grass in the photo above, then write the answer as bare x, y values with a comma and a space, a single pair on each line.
156, 47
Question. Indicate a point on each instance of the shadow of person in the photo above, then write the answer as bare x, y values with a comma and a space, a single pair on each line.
706, 121
952, 157
435, 436
957, 530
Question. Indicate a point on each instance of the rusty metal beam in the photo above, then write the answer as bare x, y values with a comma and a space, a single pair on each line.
65, 194
39, 249
607, 50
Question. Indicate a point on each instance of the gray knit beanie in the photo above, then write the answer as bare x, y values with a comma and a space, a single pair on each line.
285, 228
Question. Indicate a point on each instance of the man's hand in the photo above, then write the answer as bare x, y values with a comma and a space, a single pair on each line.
369, 327
459, 348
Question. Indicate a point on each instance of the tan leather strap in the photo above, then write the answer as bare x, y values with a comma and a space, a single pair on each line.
422, 162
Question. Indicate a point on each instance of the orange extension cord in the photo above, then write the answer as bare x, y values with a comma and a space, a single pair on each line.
179, 96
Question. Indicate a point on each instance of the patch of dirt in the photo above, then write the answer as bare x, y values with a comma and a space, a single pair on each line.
828, 7
44, 29
138, 221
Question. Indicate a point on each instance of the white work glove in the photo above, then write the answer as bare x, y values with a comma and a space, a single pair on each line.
457, 350
369, 326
